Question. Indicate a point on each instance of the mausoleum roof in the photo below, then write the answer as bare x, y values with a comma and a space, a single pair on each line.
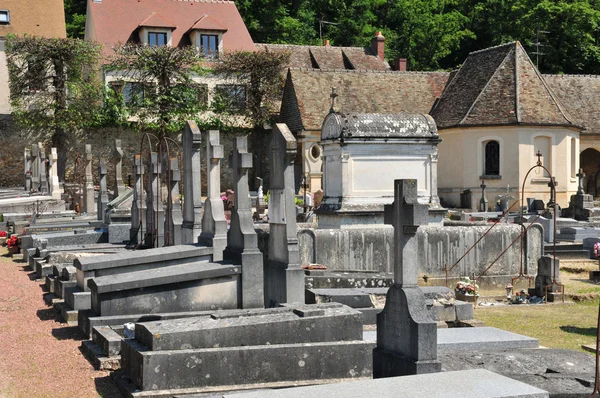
499, 86
378, 126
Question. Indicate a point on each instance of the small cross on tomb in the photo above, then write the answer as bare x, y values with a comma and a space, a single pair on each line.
580, 176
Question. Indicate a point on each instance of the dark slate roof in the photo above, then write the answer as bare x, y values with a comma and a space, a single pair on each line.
328, 57
306, 97
499, 86
580, 96
377, 125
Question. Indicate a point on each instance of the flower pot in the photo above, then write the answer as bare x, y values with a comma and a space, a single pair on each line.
466, 297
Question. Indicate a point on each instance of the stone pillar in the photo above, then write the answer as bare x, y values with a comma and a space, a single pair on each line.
138, 206
284, 278
191, 141
54, 183
88, 182
35, 168
242, 241
406, 334
173, 216
43, 170
214, 224
154, 207
117, 160
435, 199
27, 158
103, 193
483, 202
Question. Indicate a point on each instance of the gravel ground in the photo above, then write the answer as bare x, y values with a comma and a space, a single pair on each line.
40, 357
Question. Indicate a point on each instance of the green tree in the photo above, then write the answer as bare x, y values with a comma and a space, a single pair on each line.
162, 92
75, 13
53, 87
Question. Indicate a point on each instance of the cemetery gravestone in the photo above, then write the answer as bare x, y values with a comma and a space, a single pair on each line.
88, 192
154, 206
43, 171
284, 277
242, 241
406, 334
103, 194
138, 208
27, 158
117, 160
174, 218
191, 141
54, 183
214, 224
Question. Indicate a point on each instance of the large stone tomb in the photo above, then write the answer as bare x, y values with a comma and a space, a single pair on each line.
282, 346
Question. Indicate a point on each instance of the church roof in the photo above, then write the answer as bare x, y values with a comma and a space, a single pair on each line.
306, 97
329, 57
499, 86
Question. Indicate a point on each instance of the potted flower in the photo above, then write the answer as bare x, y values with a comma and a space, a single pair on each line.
466, 290
3, 238
13, 245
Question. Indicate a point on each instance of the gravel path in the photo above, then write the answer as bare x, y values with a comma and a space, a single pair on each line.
40, 357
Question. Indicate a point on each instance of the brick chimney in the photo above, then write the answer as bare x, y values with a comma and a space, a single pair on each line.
378, 45
400, 65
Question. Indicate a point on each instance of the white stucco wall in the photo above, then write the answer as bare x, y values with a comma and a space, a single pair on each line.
461, 162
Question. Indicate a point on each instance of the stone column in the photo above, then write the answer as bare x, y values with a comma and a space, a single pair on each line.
138, 205
406, 334
191, 141
242, 241
103, 193
173, 216
117, 160
35, 168
214, 224
284, 278
435, 199
43, 170
27, 158
88, 182
54, 183
154, 209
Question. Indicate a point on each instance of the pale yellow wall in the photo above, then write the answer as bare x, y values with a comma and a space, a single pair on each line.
4, 92
461, 162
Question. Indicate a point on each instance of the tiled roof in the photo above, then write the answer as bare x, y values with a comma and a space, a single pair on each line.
499, 86
579, 94
328, 57
306, 98
155, 20
114, 21
206, 22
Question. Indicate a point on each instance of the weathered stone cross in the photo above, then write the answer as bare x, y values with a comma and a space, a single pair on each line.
581, 176
483, 202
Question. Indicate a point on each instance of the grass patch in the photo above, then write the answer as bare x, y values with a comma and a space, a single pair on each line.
555, 326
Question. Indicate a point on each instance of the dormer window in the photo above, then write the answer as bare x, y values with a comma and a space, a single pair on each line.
209, 45
157, 39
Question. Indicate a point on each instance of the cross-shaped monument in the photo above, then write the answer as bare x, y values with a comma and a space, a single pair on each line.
406, 334
191, 141
117, 160
214, 224
483, 202
242, 241
333, 96
580, 176
55, 189
173, 216
103, 194
138, 205
88, 182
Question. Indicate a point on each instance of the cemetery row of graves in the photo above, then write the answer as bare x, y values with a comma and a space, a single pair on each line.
182, 292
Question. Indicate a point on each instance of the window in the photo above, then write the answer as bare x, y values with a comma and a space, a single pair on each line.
193, 94
133, 94
543, 144
4, 17
209, 46
492, 159
231, 96
156, 39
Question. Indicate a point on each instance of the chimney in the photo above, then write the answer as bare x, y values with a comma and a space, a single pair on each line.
326, 43
378, 46
400, 64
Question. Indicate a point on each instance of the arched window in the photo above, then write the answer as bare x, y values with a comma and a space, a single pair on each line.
492, 158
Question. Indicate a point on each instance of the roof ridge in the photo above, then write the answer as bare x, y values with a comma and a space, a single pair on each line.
569, 75
366, 71
306, 45
494, 47
483, 90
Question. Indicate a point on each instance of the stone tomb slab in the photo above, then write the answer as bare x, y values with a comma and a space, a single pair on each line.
476, 383
285, 325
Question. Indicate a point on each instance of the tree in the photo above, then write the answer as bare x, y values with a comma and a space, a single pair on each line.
53, 87
75, 18
262, 73
163, 94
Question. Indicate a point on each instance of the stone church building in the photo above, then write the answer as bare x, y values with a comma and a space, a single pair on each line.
493, 114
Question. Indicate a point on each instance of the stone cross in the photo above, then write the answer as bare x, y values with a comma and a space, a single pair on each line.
173, 217
406, 333
54, 183
88, 182
333, 96
43, 170
191, 141
27, 158
285, 278
103, 193
154, 208
242, 241
483, 202
552, 185
138, 205
117, 160
214, 224
35, 168
580, 176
